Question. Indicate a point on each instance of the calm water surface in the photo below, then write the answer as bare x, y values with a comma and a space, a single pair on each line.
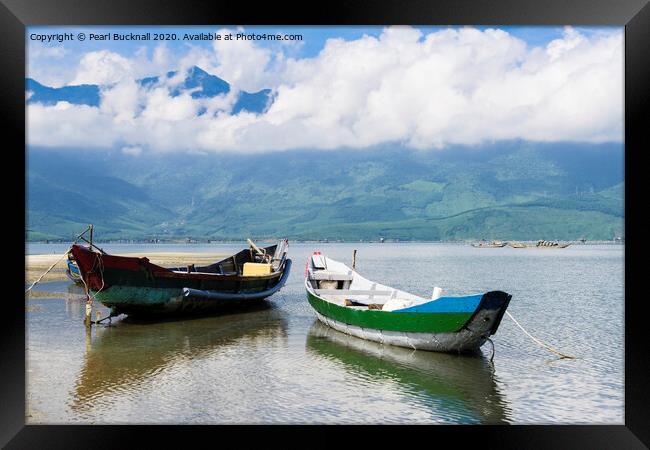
277, 364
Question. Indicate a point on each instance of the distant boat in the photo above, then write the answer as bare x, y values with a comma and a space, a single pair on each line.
550, 244
493, 244
135, 286
352, 304
540, 244
516, 245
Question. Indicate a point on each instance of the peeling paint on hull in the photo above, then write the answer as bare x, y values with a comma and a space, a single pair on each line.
157, 301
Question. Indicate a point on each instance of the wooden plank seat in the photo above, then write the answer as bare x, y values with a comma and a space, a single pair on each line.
351, 292
334, 276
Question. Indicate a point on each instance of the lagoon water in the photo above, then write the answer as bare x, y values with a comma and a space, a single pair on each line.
277, 364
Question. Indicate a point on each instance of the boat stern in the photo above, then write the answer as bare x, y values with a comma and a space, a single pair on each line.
489, 312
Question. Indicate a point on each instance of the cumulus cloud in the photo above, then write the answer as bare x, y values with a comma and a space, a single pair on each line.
103, 67
241, 62
454, 86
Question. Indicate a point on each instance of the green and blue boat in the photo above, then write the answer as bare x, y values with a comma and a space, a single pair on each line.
352, 304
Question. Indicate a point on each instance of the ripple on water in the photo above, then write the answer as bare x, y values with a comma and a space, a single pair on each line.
277, 364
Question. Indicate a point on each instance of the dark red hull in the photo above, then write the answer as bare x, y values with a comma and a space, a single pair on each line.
135, 285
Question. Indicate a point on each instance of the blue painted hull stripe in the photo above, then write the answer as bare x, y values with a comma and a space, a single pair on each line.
73, 268
447, 304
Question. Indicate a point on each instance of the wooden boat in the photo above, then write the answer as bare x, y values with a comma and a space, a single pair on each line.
539, 244
352, 304
135, 286
493, 244
517, 245
550, 244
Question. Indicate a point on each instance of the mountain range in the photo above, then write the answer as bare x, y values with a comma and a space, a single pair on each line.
504, 190
199, 83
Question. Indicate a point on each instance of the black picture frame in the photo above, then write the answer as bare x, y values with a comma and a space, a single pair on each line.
634, 15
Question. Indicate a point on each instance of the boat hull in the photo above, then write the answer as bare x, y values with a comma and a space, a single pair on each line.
442, 331
146, 301
135, 286
72, 272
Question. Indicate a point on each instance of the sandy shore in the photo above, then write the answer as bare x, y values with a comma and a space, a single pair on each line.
35, 265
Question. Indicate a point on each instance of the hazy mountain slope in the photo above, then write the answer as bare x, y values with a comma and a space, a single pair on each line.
513, 190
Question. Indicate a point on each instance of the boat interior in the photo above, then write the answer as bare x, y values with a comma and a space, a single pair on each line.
264, 261
335, 282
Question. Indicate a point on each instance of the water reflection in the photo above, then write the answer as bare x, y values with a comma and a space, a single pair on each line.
121, 357
74, 301
452, 385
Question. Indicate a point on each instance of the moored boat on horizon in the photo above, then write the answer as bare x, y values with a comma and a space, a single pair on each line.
540, 244
135, 286
493, 244
352, 304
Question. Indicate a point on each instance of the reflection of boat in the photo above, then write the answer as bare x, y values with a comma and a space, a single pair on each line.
123, 356
134, 285
72, 271
457, 388
350, 303
493, 244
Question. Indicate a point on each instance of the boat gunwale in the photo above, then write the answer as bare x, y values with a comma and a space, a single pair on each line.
158, 271
418, 321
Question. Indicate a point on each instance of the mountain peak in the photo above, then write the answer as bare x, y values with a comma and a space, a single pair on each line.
202, 84
196, 70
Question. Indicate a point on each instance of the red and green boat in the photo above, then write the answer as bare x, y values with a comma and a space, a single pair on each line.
135, 286
352, 304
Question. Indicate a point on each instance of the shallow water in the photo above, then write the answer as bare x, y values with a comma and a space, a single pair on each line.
277, 364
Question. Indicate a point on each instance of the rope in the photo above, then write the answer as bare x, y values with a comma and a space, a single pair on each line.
58, 261
46, 272
548, 347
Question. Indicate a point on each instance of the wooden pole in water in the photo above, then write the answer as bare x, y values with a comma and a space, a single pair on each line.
89, 301
354, 258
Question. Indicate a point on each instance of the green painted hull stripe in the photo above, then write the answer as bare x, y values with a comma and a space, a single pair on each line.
442, 322
129, 295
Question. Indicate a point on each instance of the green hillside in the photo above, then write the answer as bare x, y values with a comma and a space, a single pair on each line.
513, 190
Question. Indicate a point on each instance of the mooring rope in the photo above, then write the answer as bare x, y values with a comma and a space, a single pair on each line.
548, 347
58, 261
46, 272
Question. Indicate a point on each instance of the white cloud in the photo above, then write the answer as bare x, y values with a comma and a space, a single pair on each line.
103, 67
67, 125
241, 62
454, 86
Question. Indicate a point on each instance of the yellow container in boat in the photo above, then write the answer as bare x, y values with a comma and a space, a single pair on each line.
256, 269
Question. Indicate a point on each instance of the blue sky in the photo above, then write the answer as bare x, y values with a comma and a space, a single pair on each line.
314, 38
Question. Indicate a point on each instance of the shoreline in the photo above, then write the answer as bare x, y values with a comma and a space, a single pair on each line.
35, 265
